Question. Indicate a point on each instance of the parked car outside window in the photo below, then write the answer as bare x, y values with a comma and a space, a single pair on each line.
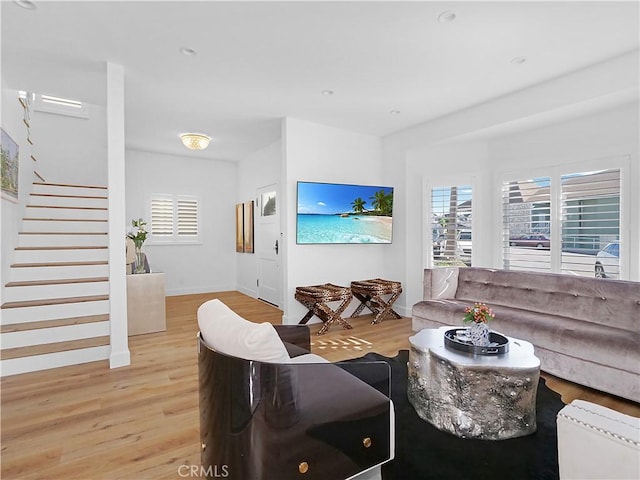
535, 240
464, 246
608, 261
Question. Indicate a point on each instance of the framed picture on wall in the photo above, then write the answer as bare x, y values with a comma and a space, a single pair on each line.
10, 164
240, 227
248, 227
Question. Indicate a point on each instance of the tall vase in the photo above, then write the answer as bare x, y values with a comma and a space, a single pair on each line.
479, 333
139, 264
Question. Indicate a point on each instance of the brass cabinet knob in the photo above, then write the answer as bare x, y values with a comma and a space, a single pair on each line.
366, 441
303, 467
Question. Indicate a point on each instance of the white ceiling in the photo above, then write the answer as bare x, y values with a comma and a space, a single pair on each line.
257, 62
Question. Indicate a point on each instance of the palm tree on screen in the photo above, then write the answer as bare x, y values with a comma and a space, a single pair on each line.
358, 205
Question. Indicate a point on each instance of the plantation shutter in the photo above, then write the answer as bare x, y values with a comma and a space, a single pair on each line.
590, 216
526, 224
187, 216
161, 216
451, 215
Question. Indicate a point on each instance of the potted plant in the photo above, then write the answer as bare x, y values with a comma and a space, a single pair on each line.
478, 317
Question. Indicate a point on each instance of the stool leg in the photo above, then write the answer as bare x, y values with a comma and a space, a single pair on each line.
332, 316
364, 302
386, 307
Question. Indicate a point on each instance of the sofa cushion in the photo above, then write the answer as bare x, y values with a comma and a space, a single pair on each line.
613, 303
226, 331
584, 340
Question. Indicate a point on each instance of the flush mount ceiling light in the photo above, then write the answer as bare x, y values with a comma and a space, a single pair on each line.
518, 60
394, 112
26, 4
195, 141
188, 52
327, 93
446, 17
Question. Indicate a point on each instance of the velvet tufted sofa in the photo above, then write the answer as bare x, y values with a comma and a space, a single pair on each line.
586, 330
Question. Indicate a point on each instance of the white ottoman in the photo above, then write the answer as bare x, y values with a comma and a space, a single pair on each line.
595, 442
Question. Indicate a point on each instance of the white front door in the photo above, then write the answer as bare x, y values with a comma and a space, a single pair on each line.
268, 245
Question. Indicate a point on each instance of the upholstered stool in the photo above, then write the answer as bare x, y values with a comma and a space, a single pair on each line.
370, 293
316, 297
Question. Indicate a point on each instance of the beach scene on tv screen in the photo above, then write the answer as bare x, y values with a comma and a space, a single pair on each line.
338, 213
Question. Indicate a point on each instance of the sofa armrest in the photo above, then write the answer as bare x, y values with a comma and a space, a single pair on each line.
298, 335
440, 283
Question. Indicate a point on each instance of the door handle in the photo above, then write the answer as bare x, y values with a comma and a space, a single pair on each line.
276, 247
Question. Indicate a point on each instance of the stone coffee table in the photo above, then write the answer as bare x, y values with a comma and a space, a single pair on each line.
490, 397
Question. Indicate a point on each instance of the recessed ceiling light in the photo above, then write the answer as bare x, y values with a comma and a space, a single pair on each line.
327, 92
518, 60
188, 52
395, 112
446, 17
29, 5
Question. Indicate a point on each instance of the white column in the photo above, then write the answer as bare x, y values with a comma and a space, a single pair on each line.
119, 356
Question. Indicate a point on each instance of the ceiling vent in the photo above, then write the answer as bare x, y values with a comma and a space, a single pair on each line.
60, 106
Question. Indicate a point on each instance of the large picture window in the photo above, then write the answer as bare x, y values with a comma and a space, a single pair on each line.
451, 215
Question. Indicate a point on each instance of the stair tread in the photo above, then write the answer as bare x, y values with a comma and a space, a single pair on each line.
62, 233
65, 281
79, 247
54, 347
54, 301
65, 207
49, 184
33, 219
61, 322
59, 264
59, 195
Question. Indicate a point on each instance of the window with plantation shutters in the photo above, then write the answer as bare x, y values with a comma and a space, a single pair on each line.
174, 219
590, 219
564, 223
526, 224
162, 216
451, 219
187, 218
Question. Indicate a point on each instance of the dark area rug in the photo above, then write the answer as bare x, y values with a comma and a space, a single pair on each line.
424, 452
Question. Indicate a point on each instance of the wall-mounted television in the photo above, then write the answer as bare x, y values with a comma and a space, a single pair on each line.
341, 213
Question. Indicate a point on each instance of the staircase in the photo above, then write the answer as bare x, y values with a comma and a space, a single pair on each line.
56, 309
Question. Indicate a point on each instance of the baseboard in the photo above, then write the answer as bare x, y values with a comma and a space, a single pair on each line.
120, 359
193, 290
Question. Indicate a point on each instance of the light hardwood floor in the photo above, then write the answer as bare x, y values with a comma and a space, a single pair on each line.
141, 421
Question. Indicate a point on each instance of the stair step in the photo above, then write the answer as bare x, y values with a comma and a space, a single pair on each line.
66, 213
13, 316
54, 347
28, 272
15, 366
61, 239
56, 282
41, 289
60, 254
54, 301
68, 200
57, 195
77, 225
58, 264
66, 207
62, 322
50, 184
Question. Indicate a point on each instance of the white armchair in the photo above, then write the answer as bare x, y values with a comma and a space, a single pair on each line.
595, 442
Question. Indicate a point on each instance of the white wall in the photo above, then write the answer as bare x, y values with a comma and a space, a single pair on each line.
325, 154
11, 212
260, 169
70, 149
206, 267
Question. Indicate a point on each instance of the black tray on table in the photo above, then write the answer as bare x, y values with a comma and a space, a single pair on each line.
499, 344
